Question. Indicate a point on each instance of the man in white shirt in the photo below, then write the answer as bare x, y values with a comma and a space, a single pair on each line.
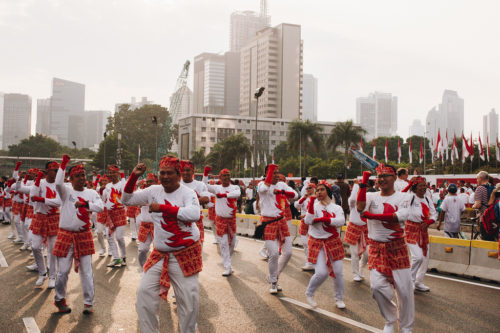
451, 210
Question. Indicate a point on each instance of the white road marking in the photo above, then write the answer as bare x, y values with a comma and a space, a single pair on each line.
30, 324
462, 281
3, 262
333, 315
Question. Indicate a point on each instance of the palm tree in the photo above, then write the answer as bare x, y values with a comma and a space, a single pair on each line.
300, 133
345, 134
226, 153
198, 158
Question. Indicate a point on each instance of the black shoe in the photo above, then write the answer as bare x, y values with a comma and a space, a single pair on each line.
124, 261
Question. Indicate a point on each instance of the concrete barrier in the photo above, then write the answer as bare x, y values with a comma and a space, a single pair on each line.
484, 261
449, 255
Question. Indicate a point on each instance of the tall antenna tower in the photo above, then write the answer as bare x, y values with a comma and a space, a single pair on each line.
263, 12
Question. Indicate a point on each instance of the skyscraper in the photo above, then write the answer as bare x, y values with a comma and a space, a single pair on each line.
94, 125
245, 24
447, 116
490, 126
310, 98
15, 112
377, 114
43, 116
416, 128
208, 89
273, 59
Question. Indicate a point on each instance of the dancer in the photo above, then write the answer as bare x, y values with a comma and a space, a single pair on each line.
26, 215
74, 239
17, 203
301, 205
146, 227
102, 216
326, 250
388, 258
7, 206
176, 257
132, 212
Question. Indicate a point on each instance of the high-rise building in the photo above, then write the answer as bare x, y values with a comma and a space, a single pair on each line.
273, 60
232, 83
43, 116
490, 126
186, 107
377, 114
417, 128
134, 104
448, 116
94, 125
15, 111
310, 98
245, 24
208, 89
67, 107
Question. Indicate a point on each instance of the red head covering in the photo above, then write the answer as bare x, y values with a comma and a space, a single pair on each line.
113, 167
282, 177
104, 177
33, 171
224, 172
151, 176
53, 166
418, 179
186, 163
141, 183
383, 170
170, 161
77, 169
324, 182
311, 184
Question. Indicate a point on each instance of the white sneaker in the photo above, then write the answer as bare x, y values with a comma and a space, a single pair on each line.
227, 272
311, 301
308, 267
278, 286
274, 288
421, 287
340, 304
29, 248
24, 247
11, 235
52, 283
357, 278
102, 253
41, 280
33, 267
263, 253
18, 241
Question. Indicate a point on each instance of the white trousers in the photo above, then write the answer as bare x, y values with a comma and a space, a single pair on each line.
19, 226
383, 292
6, 214
321, 274
419, 263
133, 227
276, 263
226, 250
37, 246
101, 233
143, 251
117, 240
86, 277
186, 296
357, 264
26, 231
305, 239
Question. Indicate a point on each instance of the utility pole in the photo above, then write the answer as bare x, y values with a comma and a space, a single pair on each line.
257, 95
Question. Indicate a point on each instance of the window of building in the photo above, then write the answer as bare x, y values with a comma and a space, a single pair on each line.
282, 133
273, 142
204, 118
212, 139
203, 129
213, 119
273, 132
203, 139
212, 129
247, 131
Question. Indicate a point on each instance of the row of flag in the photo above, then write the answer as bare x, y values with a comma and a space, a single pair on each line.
245, 166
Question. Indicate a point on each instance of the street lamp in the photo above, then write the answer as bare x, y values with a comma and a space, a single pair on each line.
257, 95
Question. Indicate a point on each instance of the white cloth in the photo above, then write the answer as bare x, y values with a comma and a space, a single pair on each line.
225, 206
323, 230
52, 199
249, 193
142, 251
419, 263
417, 208
117, 240
453, 207
113, 194
269, 207
199, 187
37, 245
400, 184
226, 250
305, 240
186, 292
276, 266
101, 231
357, 264
133, 227
321, 274
354, 216
464, 197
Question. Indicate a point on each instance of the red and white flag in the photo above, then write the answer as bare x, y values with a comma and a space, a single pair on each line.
497, 151
454, 150
386, 152
438, 143
487, 147
361, 145
399, 152
446, 145
480, 147
374, 155
272, 157
410, 157
421, 156
465, 148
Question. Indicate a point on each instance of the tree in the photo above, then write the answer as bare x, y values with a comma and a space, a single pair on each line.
198, 158
345, 134
301, 133
128, 159
38, 145
228, 152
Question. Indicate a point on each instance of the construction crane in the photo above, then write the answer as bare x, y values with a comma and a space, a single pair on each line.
175, 112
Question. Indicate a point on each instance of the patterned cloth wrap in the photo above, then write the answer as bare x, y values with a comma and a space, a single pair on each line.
45, 225
416, 233
287, 211
7, 203
211, 213
16, 208
357, 234
386, 257
102, 216
22, 211
200, 226
304, 228
1, 201
145, 229
133, 211
333, 247
225, 225
29, 212
83, 245
116, 218
189, 260
275, 230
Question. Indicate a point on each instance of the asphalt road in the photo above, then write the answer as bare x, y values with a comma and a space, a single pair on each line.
239, 303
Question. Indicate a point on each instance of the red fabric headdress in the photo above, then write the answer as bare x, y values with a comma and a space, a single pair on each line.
113, 167
224, 171
53, 166
383, 170
33, 170
151, 176
104, 177
170, 161
282, 178
77, 169
311, 184
418, 179
324, 182
141, 183
186, 163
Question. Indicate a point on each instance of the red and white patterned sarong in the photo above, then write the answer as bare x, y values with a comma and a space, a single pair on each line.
116, 218
225, 225
386, 257
16, 207
304, 228
102, 216
416, 233
133, 211
275, 230
7, 203
211, 213
45, 225
357, 235
22, 211
189, 260
83, 245
333, 247
145, 229
287, 211
29, 212
200, 226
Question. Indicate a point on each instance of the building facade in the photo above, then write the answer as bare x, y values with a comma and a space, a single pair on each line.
417, 128
310, 98
490, 126
43, 116
94, 127
448, 116
377, 114
15, 112
134, 103
244, 26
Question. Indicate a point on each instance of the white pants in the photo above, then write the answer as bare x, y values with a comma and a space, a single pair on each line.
186, 296
37, 245
276, 263
383, 292
101, 231
26, 231
133, 227
86, 277
19, 226
357, 266
226, 250
321, 274
305, 239
6, 214
143, 250
118, 236
419, 263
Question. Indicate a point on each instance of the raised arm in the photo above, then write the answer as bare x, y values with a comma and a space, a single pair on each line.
137, 198
60, 186
361, 198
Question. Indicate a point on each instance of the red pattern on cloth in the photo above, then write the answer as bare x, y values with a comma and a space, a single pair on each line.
357, 234
16, 208
417, 233
386, 257
211, 213
189, 260
7, 203
1, 201
45, 225
132, 211
287, 212
102, 216
22, 211
275, 230
200, 226
225, 225
29, 212
304, 228
333, 247
83, 245
145, 229
116, 218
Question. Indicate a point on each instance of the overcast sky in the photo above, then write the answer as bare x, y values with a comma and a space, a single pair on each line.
125, 48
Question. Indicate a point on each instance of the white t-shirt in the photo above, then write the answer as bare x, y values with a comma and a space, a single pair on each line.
113, 194
323, 230
421, 209
269, 206
453, 208
400, 184
52, 199
249, 193
464, 197
354, 215
226, 206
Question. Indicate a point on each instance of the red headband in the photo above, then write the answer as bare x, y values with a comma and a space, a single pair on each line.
311, 184
141, 183
76, 169
33, 170
170, 161
113, 168
282, 177
53, 166
151, 176
383, 169
186, 163
323, 182
104, 177
224, 171
418, 179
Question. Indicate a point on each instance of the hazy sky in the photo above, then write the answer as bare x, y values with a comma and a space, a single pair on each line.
124, 48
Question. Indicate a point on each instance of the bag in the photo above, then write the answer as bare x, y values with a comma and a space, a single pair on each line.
490, 189
490, 222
